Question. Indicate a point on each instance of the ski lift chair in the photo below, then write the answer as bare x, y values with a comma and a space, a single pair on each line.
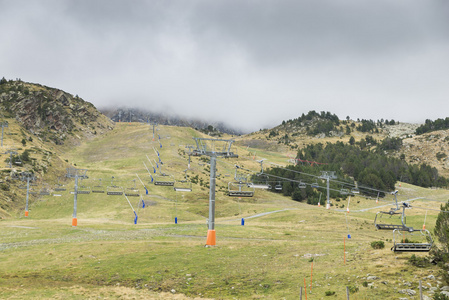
183, 186
132, 191
233, 191
411, 246
258, 186
98, 188
44, 192
164, 180
82, 189
59, 188
301, 185
344, 191
392, 212
278, 187
355, 191
114, 190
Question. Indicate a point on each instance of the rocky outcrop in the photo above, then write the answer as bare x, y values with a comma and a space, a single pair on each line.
50, 113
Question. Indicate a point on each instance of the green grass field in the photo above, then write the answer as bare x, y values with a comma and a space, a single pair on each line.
107, 256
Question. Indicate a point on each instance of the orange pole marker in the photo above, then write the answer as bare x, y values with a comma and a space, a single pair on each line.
74, 222
319, 204
210, 237
26, 213
305, 287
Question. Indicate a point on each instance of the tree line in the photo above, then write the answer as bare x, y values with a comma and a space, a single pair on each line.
429, 126
372, 168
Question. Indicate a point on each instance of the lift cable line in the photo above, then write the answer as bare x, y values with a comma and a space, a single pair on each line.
75, 173
208, 147
315, 185
355, 189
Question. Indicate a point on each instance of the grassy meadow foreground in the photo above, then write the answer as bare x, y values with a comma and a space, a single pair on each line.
283, 245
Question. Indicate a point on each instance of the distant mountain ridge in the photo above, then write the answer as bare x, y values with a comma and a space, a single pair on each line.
129, 114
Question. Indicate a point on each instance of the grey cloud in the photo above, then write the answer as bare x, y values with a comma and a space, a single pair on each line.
250, 63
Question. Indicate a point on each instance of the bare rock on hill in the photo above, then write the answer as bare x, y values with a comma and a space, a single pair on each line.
51, 114
401, 130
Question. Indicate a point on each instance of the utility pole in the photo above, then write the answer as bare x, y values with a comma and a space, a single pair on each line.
208, 147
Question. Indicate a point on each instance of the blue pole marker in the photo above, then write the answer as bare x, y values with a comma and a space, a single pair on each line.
135, 219
151, 178
146, 191
243, 222
176, 220
143, 202
349, 236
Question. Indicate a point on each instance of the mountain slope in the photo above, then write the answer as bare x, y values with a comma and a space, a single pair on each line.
49, 113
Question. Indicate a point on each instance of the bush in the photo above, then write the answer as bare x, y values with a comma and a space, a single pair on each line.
4, 187
439, 296
353, 289
329, 293
421, 262
377, 245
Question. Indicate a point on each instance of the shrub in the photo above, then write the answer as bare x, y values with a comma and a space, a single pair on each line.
329, 293
377, 245
439, 296
421, 262
353, 289
4, 187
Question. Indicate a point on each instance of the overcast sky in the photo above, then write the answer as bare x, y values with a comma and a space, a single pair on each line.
250, 64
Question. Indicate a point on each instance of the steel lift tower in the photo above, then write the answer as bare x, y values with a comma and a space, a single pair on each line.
75, 173
208, 147
327, 175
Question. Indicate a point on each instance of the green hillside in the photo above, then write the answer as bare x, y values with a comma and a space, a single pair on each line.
108, 256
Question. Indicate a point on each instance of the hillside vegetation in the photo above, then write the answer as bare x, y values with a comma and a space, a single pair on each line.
284, 245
